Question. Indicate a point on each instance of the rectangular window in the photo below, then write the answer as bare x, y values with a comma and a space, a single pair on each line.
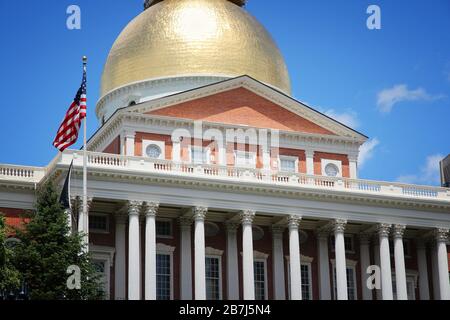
199, 155
288, 164
245, 159
351, 283
213, 278
98, 223
260, 279
306, 282
163, 277
100, 269
164, 228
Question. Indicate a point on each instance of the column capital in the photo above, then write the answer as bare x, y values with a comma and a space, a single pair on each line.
134, 207
247, 216
352, 157
199, 213
129, 133
278, 229
231, 226
151, 209
339, 225
364, 238
185, 221
309, 153
294, 221
383, 229
79, 202
441, 234
398, 231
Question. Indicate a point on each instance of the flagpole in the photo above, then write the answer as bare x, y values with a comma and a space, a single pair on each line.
85, 204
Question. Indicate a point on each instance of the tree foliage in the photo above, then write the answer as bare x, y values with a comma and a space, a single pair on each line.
47, 249
9, 276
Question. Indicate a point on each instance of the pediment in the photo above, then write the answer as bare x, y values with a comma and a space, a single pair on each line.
247, 102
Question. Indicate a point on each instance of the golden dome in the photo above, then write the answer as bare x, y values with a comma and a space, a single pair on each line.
176, 38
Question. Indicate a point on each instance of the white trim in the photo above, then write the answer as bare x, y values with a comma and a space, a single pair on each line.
206, 154
305, 261
213, 252
337, 163
216, 254
289, 158
160, 144
252, 159
263, 258
351, 264
163, 249
105, 255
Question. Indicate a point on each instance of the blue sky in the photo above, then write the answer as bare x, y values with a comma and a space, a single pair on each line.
391, 84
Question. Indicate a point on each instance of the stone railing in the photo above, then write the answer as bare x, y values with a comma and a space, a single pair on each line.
21, 173
141, 165
216, 172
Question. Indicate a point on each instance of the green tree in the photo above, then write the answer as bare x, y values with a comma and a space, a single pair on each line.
47, 250
9, 276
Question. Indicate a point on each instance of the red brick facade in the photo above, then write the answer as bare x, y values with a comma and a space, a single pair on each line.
241, 107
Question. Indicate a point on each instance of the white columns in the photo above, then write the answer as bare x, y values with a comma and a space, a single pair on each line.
186, 258
399, 258
341, 264
150, 251
278, 262
129, 142
309, 162
134, 258
385, 261
176, 150
266, 156
364, 251
199, 252
247, 217
353, 164
442, 262
120, 266
376, 253
294, 258
232, 262
324, 266
424, 289
435, 272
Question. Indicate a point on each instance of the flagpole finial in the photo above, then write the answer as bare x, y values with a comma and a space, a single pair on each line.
84, 59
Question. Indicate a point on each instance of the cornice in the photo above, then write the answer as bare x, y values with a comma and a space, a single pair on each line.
305, 193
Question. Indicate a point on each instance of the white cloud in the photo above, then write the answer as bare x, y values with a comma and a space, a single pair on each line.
387, 98
367, 151
349, 118
429, 173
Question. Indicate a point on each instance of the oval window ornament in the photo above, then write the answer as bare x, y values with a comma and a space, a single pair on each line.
331, 170
153, 151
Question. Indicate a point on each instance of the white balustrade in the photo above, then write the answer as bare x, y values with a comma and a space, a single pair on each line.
142, 164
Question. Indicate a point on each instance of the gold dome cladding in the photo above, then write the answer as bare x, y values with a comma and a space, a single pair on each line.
194, 38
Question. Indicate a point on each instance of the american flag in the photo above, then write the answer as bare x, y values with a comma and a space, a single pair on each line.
68, 131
